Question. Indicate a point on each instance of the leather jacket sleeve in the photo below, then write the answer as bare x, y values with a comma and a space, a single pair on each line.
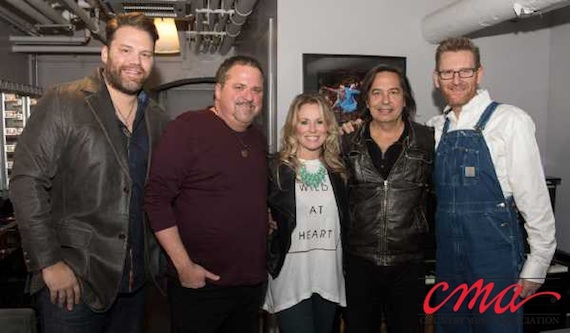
281, 200
35, 164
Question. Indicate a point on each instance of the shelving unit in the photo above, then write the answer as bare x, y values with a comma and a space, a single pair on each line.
17, 103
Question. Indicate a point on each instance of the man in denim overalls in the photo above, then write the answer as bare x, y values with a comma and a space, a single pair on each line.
487, 160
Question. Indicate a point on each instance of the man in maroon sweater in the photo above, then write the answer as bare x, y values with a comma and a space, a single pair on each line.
206, 200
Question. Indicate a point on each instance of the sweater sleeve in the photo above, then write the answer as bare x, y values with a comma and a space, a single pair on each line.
171, 162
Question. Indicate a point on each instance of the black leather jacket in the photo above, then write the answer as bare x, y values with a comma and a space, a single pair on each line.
283, 210
70, 188
388, 222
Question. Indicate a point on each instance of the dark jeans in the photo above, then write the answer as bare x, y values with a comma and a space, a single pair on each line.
126, 315
396, 292
215, 309
313, 315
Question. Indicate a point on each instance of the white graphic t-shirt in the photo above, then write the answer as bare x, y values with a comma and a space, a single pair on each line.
314, 261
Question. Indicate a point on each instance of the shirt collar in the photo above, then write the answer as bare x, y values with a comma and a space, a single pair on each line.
473, 109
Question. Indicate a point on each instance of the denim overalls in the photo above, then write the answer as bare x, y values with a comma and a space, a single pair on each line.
477, 229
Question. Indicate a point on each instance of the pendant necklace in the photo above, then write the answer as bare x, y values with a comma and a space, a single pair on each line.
245, 147
122, 118
312, 179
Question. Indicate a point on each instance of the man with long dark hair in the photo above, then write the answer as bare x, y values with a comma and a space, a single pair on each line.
389, 159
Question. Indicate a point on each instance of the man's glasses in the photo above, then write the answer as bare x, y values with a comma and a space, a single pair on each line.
463, 73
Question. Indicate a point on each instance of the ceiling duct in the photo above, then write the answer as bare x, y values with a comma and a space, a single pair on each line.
153, 8
92, 25
466, 16
17, 22
49, 40
243, 8
48, 11
29, 11
59, 26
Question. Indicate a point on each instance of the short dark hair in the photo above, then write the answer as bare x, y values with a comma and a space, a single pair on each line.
222, 72
135, 20
409, 109
455, 44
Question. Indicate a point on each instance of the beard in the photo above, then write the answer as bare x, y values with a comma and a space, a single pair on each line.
125, 85
458, 96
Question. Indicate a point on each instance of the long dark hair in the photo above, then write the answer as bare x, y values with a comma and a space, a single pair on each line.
410, 108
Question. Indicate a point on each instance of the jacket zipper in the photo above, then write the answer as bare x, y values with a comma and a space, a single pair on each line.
384, 246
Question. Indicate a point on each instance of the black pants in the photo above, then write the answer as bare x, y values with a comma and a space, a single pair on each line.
393, 291
215, 309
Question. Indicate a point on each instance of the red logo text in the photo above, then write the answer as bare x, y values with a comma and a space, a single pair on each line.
483, 291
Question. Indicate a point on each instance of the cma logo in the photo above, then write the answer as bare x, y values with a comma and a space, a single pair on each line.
482, 291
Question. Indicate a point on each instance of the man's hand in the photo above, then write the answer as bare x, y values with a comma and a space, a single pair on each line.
528, 287
62, 284
350, 126
194, 276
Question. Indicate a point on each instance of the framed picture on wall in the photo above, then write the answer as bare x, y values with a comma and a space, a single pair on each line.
339, 77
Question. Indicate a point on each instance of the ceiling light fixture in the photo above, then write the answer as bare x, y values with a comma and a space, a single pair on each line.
168, 42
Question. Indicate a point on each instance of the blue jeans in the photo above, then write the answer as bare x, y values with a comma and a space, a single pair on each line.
126, 315
313, 315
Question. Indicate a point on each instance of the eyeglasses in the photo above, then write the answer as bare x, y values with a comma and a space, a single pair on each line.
463, 73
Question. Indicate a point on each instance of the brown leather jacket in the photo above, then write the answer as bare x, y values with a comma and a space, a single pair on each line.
70, 187
388, 223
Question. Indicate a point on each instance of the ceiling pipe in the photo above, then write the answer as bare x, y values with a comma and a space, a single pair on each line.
75, 9
199, 26
16, 21
107, 14
223, 19
466, 16
29, 11
243, 8
46, 10
56, 49
212, 18
49, 40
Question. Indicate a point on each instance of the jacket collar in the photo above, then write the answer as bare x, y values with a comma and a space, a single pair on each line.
359, 140
102, 108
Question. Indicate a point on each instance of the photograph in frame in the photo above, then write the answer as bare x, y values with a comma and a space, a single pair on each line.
339, 77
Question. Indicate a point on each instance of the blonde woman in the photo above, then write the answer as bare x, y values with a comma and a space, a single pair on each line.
308, 202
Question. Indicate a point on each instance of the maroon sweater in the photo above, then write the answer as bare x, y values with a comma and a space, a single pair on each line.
200, 182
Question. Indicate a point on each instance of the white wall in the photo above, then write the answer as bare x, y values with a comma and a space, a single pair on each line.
382, 27
391, 28
558, 127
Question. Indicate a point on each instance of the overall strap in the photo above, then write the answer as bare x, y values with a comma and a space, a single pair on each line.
446, 125
480, 126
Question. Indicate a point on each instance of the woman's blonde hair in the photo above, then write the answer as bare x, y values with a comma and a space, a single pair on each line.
330, 151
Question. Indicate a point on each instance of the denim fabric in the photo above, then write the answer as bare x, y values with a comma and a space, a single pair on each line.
477, 230
312, 315
126, 315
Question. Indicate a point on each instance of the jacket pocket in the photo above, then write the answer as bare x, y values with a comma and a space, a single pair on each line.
418, 166
74, 243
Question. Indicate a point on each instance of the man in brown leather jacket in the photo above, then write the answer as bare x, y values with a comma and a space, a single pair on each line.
77, 183
389, 159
